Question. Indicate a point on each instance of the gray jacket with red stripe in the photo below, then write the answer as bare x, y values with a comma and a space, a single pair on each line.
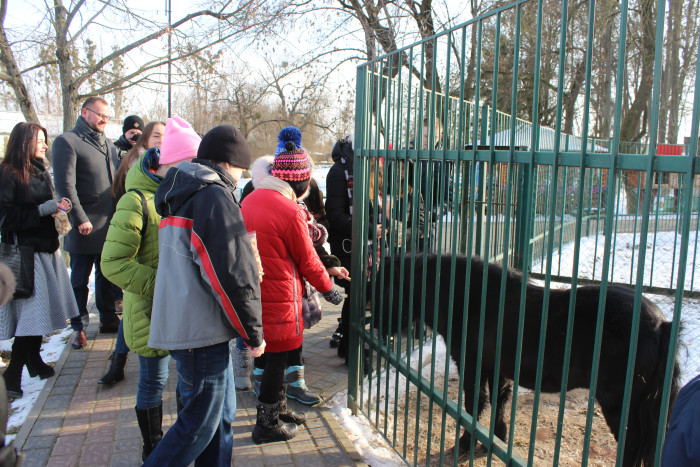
207, 289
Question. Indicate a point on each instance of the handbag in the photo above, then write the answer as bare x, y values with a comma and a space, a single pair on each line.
20, 260
62, 223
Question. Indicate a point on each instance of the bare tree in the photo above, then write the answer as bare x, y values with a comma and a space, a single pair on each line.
78, 71
13, 75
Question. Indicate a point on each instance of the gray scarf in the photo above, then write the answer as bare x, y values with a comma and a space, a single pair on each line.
97, 137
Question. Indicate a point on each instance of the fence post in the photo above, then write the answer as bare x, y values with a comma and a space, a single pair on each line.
480, 177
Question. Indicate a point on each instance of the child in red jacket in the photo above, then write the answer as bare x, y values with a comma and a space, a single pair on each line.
288, 256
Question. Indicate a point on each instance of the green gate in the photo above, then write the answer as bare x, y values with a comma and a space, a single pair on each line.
453, 170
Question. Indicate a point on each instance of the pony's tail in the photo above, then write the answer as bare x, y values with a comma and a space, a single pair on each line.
649, 398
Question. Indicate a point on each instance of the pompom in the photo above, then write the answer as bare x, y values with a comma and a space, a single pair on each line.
290, 133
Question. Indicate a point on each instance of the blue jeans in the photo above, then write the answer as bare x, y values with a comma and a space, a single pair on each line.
120, 344
81, 267
202, 432
152, 378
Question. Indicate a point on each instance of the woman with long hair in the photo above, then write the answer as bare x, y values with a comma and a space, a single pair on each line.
27, 211
152, 137
130, 260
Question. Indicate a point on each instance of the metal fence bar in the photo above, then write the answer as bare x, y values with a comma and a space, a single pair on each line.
634, 337
687, 205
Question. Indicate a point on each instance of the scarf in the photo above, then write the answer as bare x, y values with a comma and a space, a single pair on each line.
348, 179
98, 138
276, 184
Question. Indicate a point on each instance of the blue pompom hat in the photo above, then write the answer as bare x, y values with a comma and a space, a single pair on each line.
290, 133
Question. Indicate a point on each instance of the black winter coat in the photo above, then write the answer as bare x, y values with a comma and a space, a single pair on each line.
19, 208
83, 173
338, 202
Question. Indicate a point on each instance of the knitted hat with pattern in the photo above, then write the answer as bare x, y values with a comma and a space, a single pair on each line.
292, 165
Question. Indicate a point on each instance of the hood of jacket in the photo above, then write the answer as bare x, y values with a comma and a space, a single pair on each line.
343, 149
187, 179
140, 176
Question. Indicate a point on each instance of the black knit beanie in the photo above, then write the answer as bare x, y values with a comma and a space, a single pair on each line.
132, 122
225, 143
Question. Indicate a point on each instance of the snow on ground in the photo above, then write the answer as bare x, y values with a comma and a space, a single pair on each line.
664, 274
368, 442
660, 266
31, 387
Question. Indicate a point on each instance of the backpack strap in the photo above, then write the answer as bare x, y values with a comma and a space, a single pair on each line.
144, 207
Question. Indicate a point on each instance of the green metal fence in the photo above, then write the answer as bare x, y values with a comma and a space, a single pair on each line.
443, 173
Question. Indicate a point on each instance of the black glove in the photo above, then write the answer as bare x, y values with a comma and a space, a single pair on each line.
333, 296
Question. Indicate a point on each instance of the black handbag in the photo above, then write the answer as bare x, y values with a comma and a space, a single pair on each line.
20, 260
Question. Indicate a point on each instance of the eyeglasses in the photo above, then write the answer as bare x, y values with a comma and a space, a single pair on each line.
106, 117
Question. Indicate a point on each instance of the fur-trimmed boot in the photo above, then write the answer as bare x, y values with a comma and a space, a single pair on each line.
257, 380
268, 427
151, 425
242, 364
116, 369
35, 365
296, 386
288, 415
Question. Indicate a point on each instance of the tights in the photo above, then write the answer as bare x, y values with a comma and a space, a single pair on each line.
275, 363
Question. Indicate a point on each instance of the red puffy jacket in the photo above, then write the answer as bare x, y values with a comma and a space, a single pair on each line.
287, 255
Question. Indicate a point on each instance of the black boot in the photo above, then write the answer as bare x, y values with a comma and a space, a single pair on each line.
116, 369
337, 335
268, 427
35, 365
13, 372
151, 425
287, 415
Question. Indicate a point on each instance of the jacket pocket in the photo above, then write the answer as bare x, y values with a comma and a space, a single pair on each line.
89, 199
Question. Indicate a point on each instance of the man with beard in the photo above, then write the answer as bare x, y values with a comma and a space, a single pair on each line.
131, 129
84, 162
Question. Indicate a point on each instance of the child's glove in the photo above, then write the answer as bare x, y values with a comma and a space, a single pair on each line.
333, 296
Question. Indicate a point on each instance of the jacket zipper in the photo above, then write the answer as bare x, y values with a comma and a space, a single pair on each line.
296, 310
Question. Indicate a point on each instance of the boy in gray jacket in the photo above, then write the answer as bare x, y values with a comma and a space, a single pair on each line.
207, 293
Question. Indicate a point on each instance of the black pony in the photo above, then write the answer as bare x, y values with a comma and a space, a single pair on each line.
653, 344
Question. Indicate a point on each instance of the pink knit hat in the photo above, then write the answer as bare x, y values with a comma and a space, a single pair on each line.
180, 141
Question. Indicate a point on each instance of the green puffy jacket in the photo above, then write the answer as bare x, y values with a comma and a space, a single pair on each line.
130, 257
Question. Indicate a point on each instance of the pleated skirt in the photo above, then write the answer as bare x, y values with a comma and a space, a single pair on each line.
48, 309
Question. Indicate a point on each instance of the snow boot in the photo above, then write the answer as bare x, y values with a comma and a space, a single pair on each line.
242, 364
35, 365
151, 425
257, 380
268, 427
116, 369
288, 415
296, 386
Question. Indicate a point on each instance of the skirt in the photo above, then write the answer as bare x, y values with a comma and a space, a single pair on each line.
48, 309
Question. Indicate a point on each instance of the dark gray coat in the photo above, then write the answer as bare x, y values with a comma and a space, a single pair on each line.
83, 173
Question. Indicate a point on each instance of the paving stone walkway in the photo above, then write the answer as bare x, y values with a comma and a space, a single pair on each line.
77, 422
